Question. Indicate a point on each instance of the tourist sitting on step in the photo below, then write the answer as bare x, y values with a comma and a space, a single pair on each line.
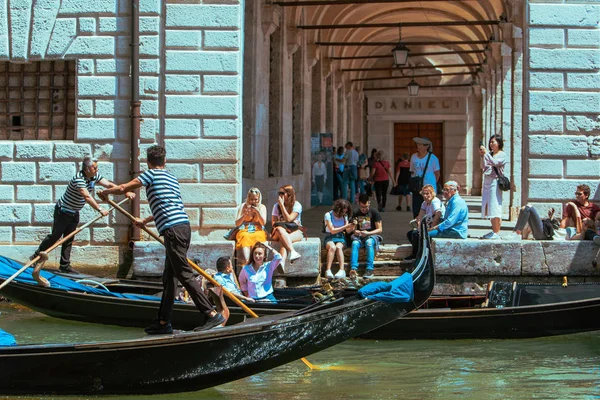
251, 218
431, 213
456, 217
335, 225
256, 278
529, 222
286, 220
366, 232
226, 278
577, 210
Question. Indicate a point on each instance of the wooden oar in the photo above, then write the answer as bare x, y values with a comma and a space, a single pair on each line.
201, 272
55, 245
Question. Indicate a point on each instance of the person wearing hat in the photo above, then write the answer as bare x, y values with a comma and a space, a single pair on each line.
456, 217
423, 164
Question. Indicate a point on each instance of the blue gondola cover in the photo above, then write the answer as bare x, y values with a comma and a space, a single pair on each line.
400, 290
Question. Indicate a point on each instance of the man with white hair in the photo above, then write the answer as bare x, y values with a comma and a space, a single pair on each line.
456, 217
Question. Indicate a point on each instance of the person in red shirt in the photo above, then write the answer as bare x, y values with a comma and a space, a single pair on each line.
576, 211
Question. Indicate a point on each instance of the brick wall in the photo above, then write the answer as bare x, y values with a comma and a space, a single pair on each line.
564, 99
190, 88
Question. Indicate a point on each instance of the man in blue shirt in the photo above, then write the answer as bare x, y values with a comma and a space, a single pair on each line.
456, 218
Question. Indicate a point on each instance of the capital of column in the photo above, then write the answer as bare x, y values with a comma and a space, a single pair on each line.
313, 54
294, 39
271, 19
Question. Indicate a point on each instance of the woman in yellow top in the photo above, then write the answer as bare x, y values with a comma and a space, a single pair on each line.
251, 218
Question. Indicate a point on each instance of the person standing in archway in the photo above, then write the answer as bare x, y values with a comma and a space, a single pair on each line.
426, 166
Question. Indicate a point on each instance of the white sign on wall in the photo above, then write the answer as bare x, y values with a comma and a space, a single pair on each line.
412, 106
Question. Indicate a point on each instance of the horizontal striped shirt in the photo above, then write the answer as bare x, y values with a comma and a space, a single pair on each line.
164, 197
72, 200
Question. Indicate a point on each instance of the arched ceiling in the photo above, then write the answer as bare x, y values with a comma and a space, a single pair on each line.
425, 12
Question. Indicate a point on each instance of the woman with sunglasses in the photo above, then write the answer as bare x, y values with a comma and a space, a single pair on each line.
251, 218
492, 164
431, 213
286, 220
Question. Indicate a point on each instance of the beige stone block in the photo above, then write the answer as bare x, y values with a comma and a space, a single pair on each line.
476, 257
218, 217
533, 259
219, 173
149, 257
571, 257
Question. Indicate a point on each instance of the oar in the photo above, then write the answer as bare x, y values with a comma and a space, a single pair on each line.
201, 272
55, 245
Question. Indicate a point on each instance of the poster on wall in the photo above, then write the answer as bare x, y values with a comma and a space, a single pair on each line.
321, 145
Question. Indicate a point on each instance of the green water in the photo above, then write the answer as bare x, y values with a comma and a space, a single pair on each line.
561, 367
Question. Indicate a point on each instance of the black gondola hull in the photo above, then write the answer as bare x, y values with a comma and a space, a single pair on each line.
187, 361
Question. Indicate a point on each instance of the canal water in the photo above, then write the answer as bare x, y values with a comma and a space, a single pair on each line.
560, 367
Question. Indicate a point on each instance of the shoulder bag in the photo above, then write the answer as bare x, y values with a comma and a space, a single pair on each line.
503, 182
415, 184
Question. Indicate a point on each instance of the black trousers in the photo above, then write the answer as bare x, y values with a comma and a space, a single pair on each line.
381, 188
177, 242
63, 224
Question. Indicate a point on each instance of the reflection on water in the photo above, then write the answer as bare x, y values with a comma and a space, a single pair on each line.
561, 367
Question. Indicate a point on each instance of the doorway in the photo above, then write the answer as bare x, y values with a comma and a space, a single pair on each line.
403, 140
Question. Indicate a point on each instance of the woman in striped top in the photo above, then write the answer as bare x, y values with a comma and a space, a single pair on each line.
164, 198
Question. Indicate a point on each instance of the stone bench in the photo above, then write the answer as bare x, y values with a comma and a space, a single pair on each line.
515, 258
149, 257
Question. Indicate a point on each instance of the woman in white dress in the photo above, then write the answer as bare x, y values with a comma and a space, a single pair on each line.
319, 176
492, 163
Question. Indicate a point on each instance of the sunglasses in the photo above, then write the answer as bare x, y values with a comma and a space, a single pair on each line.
578, 193
282, 193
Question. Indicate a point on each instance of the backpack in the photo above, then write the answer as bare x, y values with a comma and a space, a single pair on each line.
548, 226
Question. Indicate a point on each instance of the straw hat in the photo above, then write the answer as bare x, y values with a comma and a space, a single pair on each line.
424, 140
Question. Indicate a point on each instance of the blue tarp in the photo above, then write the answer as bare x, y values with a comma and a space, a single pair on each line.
400, 290
6, 339
8, 267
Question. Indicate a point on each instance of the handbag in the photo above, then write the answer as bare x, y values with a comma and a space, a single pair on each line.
288, 226
395, 190
231, 234
415, 183
363, 174
503, 182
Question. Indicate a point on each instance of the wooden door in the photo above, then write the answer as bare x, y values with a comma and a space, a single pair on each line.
403, 140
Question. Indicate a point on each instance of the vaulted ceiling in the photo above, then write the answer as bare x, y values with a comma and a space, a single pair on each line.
478, 22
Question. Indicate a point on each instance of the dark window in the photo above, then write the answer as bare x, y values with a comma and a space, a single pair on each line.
38, 100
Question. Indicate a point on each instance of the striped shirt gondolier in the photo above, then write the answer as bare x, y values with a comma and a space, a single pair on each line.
72, 201
164, 197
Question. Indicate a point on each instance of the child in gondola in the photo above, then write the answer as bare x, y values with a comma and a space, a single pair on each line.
256, 278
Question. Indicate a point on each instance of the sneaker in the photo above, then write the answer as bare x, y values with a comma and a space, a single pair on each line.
597, 239
399, 208
159, 329
368, 273
211, 322
294, 255
328, 274
341, 274
488, 235
68, 270
407, 208
495, 236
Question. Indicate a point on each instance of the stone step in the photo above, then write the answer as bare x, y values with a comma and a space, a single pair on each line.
387, 252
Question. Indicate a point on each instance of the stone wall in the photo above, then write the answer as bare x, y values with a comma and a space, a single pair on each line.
190, 88
563, 117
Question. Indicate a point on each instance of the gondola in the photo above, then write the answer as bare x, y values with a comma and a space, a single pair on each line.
508, 310
190, 361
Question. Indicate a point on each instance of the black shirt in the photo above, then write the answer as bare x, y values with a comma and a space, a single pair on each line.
366, 221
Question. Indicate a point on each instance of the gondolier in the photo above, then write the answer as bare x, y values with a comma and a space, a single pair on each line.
66, 212
164, 198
